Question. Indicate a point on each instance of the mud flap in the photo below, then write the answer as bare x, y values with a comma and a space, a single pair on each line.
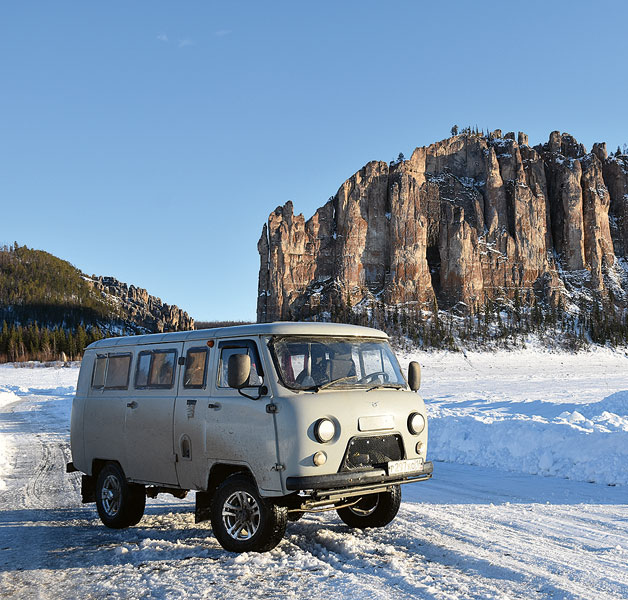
203, 507
88, 489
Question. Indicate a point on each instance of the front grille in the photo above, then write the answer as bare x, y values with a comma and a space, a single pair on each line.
370, 452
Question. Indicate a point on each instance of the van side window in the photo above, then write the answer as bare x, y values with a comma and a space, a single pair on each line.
162, 369
98, 375
118, 372
143, 369
155, 369
239, 347
195, 375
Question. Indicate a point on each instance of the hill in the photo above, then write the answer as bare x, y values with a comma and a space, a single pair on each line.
48, 306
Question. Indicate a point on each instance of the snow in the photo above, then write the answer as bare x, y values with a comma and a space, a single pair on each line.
516, 437
6, 398
564, 415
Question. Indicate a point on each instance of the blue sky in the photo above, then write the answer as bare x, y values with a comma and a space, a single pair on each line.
150, 140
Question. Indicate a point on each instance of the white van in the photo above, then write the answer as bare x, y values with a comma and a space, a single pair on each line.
265, 422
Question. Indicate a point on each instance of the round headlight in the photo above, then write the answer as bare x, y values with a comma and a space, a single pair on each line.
324, 430
416, 423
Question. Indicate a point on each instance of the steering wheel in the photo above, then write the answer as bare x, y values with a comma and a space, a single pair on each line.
371, 377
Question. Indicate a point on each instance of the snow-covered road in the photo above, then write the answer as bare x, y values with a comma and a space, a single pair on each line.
470, 532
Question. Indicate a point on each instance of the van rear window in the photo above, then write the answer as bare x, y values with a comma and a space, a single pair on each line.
155, 369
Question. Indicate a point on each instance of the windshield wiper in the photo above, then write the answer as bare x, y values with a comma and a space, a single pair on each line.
317, 388
395, 386
322, 387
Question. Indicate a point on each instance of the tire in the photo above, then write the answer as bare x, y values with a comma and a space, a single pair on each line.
243, 521
120, 504
374, 510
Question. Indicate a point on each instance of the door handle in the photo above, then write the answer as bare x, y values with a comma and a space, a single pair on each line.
215, 406
132, 404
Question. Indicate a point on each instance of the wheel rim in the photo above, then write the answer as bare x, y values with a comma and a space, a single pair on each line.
366, 506
111, 495
241, 515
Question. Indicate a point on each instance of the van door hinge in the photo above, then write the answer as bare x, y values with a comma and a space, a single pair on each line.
279, 467
272, 408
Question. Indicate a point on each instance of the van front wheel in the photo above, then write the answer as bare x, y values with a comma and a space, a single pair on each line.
242, 520
120, 504
374, 510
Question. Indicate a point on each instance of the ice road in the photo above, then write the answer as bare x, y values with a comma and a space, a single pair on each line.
486, 526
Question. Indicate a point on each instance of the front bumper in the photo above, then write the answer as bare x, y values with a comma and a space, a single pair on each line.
357, 481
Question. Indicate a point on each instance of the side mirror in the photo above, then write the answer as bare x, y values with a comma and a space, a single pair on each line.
414, 375
239, 371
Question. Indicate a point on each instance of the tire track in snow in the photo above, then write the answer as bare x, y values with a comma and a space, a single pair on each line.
514, 538
39, 456
383, 558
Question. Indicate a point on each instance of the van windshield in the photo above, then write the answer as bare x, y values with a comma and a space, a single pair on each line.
317, 363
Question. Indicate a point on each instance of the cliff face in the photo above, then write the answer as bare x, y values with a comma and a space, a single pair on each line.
140, 311
463, 220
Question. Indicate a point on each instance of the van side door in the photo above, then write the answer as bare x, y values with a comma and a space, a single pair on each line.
190, 415
241, 430
150, 455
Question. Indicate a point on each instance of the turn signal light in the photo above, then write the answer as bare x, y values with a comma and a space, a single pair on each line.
320, 458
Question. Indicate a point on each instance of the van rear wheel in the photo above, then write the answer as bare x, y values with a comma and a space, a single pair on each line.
374, 510
120, 504
242, 520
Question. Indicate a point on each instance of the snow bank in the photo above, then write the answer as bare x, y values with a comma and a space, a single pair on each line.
572, 445
563, 415
6, 398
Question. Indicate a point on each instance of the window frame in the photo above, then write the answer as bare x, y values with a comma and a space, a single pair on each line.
320, 338
159, 386
104, 375
128, 371
203, 386
234, 345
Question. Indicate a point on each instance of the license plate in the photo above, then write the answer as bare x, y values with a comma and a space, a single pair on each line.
399, 467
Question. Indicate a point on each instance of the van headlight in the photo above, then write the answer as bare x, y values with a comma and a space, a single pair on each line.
324, 430
416, 423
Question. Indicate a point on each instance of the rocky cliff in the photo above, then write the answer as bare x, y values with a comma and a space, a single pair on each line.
141, 312
467, 219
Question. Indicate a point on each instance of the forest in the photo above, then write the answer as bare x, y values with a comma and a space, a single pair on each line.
47, 309
585, 320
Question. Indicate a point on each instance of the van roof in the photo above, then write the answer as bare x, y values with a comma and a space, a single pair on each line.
278, 328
